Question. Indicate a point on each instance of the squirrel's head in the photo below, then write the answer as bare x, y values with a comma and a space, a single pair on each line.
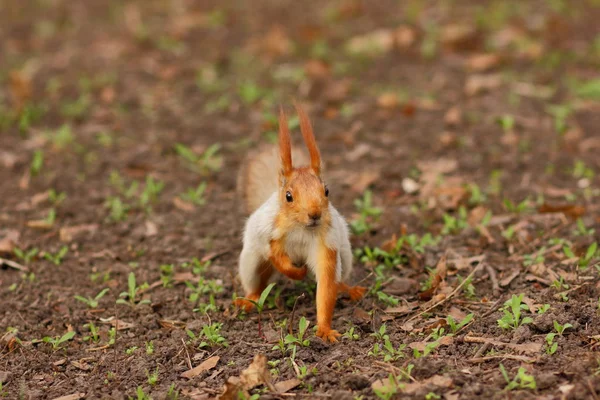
302, 193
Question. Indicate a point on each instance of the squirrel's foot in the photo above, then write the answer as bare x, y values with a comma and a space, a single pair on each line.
356, 292
328, 334
245, 303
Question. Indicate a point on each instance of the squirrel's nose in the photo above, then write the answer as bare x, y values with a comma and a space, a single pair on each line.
315, 216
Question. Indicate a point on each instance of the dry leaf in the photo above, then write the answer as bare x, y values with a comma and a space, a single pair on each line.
476, 215
256, 374
477, 84
285, 386
458, 35
388, 100
438, 276
364, 179
337, 91
204, 366
358, 152
570, 210
183, 205
483, 62
404, 36
20, 89
151, 229
81, 366
68, 233
9, 241
453, 116
117, 323
74, 396
40, 224
506, 281
317, 69
371, 44
436, 380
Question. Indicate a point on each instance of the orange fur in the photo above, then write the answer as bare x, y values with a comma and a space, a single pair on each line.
355, 292
281, 261
309, 139
326, 293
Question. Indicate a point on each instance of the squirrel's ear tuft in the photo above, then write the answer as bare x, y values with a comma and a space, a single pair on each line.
309, 139
285, 146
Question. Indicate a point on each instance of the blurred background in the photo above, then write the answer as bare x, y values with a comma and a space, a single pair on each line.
123, 125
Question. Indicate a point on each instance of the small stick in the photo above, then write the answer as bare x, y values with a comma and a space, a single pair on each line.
492, 273
503, 356
592, 390
12, 264
291, 322
188, 354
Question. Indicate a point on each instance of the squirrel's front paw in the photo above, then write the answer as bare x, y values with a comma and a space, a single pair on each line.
297, 273
244, 303
328, 334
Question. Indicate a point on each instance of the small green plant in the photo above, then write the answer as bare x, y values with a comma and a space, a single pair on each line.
131, 350
195, 195
209, 161
132, 292
58, 340
150, 348
94, 333
151, 192
350, 334
172, 393
118, 210
521, 381
512, 313
367, 213
152, 377
299, 338
551, 345
534, 258
212, 335
590, 254
560, 329
455, 224
92, 302
57, 257
477, 196
27, 256
543, 308
56, 198
518, 208
37, 162
582, 230
141, 395
455, 327
429, 347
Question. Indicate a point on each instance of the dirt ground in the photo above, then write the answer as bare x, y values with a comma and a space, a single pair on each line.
460, 140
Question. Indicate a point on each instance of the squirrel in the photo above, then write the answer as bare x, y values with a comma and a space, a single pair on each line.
291, 224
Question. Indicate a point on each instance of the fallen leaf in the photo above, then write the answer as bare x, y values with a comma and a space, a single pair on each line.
477, 84
436, 380
358, 152
256, 374
506, 281
364, 179
403, 309
81, 366
74, 396
570, 210
388, 100
371, 44
20, 89
404, 36
69, 233
171, 324
361, 315
7, 159
476, 215
482, 62
183, 205
438, 276
458, 35
9, 241
337, 91
453, 116
151, 229
317, 69
457, 314
285, 386
117, 323
204, 366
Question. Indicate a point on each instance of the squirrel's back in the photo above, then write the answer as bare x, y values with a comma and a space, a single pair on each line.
258, 177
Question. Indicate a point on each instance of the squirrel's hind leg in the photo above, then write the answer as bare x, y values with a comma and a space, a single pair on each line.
255, 275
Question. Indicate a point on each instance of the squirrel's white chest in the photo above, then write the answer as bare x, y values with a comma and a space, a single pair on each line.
301, 246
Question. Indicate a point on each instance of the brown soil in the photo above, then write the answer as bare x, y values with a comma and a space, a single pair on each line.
132, 80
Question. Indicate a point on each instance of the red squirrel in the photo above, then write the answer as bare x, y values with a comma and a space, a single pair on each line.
292, 222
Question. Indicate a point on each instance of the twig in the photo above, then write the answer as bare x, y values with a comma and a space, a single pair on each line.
291, 322
492, 273
481, 350
503, 356
493, 308
592, 390
115, 343
12, 264
187, 353
459, 287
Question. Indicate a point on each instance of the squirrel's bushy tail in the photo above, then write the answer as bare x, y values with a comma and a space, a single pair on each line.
258, 178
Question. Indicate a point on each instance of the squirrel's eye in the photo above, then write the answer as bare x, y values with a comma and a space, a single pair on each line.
288, 197
326, 191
